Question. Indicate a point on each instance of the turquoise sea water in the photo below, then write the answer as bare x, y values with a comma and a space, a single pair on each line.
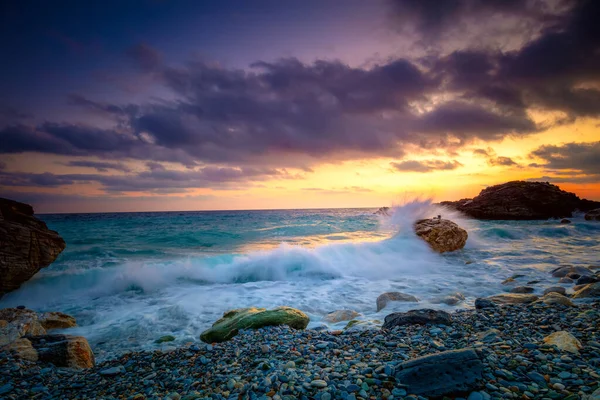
130, 278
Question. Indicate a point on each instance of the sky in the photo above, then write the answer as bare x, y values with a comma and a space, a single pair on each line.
164, 105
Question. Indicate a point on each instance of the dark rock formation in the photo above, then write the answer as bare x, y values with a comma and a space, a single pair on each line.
383, 211
520, 200
385, 298
63, 350
441, 234
593, 215
484, 303
567, 270
417, 317
26, 244
448, 373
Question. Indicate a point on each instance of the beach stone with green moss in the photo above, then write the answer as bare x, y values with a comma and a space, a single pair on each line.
253, 318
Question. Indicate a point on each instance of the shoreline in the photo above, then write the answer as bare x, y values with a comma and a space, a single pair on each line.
281, 363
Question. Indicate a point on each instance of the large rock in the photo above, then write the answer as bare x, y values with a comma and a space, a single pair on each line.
63, 350
591, 290
417, 317
553, 298
385, 298
253, 318
593, 215
520, 200
513, 298
340, 315
26, 244
448, 373
441, 234
18, 322
566, 270
57, 320
563, 340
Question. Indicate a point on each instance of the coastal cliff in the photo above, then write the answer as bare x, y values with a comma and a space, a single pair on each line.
26, 244
520, 200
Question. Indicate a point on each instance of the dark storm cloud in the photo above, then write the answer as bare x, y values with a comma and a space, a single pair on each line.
467, 121
100, 166
425, 165
156, 180
288, 113
82, 101
583, 157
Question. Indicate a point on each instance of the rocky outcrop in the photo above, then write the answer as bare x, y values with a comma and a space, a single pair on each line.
448, 373
23, 333
417, 317
26, 244
593, 215
520, 200
441, 234
385, 298
385, 211
253, 318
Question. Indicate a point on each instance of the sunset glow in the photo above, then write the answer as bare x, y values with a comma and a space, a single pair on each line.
295, 105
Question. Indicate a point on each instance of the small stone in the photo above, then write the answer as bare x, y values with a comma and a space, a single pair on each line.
318, 383
112, 371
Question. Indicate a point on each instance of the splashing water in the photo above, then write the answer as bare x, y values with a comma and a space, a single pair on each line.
131, 278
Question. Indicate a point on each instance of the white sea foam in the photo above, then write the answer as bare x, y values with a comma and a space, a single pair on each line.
126, 306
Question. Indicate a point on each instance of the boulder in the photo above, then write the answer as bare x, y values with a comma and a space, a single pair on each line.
253, 318
584, 280
555, 289
553, 298
448, 373
340, 315
484, 303
590, 290
18, 323
385, 298
520, 200
22, 348
27, 244
362, 325
417, 317
522, 289
57, 320
593, 215
165, 339
565, 221
563, 340
451, 299
63, 350
513, 298
569, 270
441, 234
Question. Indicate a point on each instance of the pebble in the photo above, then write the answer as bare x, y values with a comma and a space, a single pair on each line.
286, 364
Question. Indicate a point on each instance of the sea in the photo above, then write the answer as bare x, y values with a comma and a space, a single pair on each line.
130, 278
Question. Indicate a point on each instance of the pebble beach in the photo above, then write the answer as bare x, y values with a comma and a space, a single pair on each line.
282, 363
